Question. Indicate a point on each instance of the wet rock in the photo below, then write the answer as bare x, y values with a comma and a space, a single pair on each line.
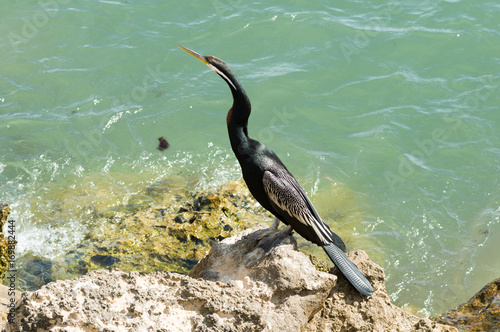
7, 245
40, 269
236, 287
180, 219
480, 313
4, 214
105, 260
166, 228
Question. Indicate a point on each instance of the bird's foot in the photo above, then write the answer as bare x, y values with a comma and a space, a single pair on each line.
262, 233
269, 238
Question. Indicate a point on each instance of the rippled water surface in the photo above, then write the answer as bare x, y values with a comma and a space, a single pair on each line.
397, 102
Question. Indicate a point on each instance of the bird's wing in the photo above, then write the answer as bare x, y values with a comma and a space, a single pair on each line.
286, 193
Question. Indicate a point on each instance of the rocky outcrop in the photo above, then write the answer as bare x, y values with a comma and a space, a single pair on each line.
236, 287
164, 228
6, 245
8, 300
285, 280
346, 310
480, 313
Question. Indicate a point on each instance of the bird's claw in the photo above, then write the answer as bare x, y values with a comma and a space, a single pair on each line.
260, 234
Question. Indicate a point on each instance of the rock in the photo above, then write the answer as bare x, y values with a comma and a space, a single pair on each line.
7, 244
166, 226
4, 213
104, 260
8, 299
236, 287
169, 229
285, 279
480, 313
347, 310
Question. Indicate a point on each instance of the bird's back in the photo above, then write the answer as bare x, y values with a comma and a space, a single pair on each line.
262, 171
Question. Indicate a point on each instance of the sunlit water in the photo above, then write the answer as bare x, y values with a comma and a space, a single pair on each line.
397, 102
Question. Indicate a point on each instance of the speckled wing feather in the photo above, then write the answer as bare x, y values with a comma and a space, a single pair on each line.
286, 193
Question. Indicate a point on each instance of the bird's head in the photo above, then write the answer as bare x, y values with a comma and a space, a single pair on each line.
216, 64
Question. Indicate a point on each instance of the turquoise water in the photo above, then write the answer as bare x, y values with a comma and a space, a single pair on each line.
398, 102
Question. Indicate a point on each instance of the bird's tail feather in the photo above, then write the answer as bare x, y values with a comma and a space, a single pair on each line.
349, 269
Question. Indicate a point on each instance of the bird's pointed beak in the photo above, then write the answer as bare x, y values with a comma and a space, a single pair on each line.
195, 54
204, 59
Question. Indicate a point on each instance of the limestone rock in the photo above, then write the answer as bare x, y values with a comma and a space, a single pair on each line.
344, 310
236, 287
277, 292
8, 299
285, 278
117, 301
347, 310
480, 313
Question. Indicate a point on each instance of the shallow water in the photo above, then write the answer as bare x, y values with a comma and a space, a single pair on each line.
397, 102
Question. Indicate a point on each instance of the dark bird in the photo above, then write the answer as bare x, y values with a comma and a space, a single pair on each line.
274, 187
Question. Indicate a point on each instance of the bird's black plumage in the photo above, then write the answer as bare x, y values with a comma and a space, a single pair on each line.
272, 185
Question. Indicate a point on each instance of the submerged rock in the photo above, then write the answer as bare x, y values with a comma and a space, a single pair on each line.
236, 287
480, 313
167, 228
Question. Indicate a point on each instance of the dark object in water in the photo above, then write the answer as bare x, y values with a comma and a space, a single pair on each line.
40, 272
104, 260
163, 144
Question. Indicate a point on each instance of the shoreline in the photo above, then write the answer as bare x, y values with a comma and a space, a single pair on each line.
202, 219
236, 287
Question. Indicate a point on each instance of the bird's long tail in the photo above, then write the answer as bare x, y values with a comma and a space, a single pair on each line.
349, 269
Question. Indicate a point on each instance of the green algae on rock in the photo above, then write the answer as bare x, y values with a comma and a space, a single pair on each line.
166, 230
166, 226
7, 244
480, 313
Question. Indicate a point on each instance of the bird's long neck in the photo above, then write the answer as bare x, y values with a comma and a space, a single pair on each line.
237, 117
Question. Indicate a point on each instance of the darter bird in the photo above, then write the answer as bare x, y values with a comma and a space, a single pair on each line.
274, 187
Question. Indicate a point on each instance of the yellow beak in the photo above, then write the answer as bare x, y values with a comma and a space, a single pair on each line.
195, 54
203, 59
